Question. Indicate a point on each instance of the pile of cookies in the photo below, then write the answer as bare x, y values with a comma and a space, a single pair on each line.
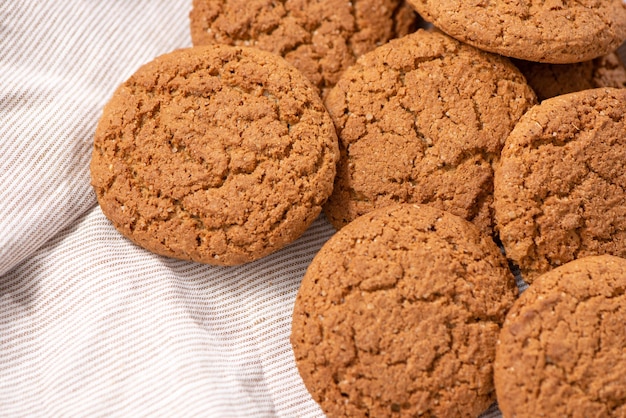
501, 124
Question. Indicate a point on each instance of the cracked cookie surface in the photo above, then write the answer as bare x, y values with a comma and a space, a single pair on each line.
561, 349
552, 31
421, 120
214, 154
320, 38
560, 187
549, 80
398, 315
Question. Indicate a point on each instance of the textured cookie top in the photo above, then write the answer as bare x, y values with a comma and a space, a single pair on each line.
421, 120
399, 312
560, 188
214, 154
561, 349
553, 31
320, 38
549, 80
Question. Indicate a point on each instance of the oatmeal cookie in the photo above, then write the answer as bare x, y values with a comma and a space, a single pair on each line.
215, 154
320, 38
561, 349
554, 31
421, 120
560, 187
398, 315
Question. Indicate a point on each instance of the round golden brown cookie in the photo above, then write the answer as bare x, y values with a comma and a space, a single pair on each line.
214, 154
549, 80
560, 188
421, 120
561, 349
320, 38
398, 315
554, 31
